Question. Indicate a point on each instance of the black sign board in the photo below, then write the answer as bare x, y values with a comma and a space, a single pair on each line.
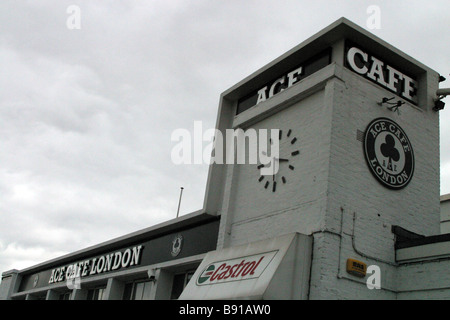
381, 72
196, 240
283, 81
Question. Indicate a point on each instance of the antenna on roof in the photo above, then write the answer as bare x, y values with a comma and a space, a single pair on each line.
179, 202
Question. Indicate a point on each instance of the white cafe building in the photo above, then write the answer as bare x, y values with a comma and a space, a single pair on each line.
353, 210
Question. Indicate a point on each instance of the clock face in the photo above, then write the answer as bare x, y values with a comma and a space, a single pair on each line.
284, 163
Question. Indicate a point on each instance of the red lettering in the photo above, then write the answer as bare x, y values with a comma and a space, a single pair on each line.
238, 266
256, 266
215, 275
245, 265
222, 275
230, 271
248, 268
225, 271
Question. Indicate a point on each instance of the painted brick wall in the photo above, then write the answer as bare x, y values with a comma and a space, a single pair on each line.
424, 280
332, 194
367, 208
445, 214
298, 205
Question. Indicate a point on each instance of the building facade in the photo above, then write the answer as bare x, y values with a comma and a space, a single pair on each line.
445, 213
351, 209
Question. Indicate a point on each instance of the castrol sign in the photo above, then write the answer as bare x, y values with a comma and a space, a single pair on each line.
253, 270
237, 269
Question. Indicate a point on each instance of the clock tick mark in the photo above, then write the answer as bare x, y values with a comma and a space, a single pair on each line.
291, 167
261, 178
283, 179
289, 132
293, 140
295, 153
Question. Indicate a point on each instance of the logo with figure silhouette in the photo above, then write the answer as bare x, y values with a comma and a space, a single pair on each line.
388, 153
177, 243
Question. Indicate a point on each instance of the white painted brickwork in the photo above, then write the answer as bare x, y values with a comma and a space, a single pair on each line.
445, 213
332, 193
424, 280
373, 208
299, 204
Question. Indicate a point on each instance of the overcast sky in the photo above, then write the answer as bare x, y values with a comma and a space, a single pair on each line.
86, 115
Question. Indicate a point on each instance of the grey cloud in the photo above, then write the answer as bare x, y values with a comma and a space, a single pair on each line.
86, 115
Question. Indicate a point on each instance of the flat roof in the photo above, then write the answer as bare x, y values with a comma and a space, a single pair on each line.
340, 29
423, 241
184, 222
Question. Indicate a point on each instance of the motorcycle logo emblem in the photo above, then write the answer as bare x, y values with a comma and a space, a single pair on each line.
388, 153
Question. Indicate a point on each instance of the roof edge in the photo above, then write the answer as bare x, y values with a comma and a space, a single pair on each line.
185, 221
342, 27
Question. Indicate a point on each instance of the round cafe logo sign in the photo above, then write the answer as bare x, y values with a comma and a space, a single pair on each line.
388, 153
177, 243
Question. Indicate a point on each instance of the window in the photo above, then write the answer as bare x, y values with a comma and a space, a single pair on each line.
96, 294
138, 290
180, 281
65, 295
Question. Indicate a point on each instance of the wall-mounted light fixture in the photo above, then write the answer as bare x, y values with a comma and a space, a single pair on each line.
441, 94
151, 275
393, 105
397, 105
438, 105
385, 100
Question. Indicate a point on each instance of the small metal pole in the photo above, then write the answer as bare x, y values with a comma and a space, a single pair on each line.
179, 202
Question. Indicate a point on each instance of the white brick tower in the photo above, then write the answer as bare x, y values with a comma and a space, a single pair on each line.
360, 141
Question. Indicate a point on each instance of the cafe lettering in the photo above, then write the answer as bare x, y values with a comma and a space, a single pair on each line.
381, 73
105, 263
